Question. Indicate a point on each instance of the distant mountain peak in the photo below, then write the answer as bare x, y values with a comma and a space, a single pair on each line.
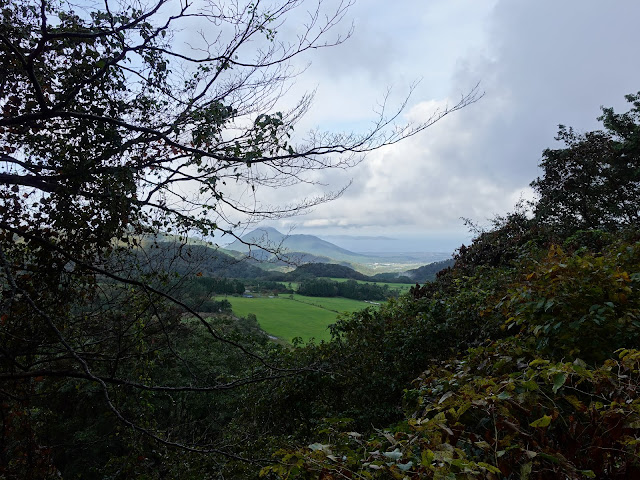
266, 229
266, 237
292, 245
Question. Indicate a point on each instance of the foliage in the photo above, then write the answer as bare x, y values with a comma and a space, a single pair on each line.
594, 182
581, 305
208, 286
549, 388
555, 401
71, 413
362, 372
314, 270
525, 351
513, 236
187, 260
269, 286
500, 412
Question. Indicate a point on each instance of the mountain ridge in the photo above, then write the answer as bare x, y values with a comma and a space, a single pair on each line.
267, 240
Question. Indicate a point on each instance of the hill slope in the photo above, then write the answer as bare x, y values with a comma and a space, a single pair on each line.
298, 248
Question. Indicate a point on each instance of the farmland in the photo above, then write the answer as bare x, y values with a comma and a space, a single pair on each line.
290, 316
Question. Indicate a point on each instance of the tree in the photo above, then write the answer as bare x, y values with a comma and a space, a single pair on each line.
594, 181
115, 126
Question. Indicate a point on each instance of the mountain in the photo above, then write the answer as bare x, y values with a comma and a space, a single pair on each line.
187, 259
294, 248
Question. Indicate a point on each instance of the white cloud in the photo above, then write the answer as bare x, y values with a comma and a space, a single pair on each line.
540, 63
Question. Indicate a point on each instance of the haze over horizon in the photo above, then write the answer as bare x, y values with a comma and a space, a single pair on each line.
539, 64
375, 245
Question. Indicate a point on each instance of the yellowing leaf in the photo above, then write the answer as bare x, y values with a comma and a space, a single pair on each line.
542, 422
577, 404
483, 445
444, 397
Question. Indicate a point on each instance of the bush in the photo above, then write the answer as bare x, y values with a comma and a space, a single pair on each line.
582, 305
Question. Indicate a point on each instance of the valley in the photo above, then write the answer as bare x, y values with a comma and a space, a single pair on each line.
298, 300
282, 252
286, 316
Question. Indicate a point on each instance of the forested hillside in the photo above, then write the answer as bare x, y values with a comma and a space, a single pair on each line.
427, 273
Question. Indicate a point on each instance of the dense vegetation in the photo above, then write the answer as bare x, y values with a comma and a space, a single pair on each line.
206, 261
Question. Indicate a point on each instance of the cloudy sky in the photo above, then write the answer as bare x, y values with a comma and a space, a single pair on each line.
539, 63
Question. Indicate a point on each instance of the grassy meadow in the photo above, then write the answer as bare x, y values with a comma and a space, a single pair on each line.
290, 316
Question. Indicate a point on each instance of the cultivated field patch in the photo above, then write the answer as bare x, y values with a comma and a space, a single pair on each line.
290, 316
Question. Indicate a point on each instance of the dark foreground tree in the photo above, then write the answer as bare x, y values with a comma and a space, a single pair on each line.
594, 181
126, 119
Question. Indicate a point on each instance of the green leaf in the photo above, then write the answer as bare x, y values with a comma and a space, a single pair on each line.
321, 447
587, 473
426, 457
550, 458
558, 381
577, 404
444, 397
489, 467
542, 422
530, 385
538, 361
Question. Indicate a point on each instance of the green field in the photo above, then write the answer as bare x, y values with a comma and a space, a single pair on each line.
290, 316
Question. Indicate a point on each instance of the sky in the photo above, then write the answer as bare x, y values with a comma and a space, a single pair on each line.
539, 63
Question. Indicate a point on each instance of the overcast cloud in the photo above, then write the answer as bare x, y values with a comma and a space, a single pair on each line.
540, 63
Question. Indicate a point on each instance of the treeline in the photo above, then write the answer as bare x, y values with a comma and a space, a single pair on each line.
197, 293
200, 285
322, 287
203, 261
268, 286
